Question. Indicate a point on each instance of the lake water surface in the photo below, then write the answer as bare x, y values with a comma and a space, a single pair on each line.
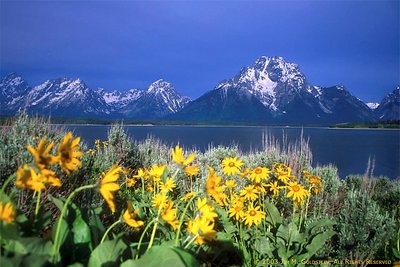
348, 149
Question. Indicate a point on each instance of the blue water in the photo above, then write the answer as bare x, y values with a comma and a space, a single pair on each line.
347, 149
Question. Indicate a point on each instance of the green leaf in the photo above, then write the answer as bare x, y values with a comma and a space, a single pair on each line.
37, 246
35, 260
318, 241
76, 264
396, 253
164, 255
273, 216
81, 231
14, 261
96, 227
186, 257
264, 246
283, 233
58, 202
316, 226
9, 231
283, 255
108, 253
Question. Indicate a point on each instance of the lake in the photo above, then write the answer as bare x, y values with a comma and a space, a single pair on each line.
347, 149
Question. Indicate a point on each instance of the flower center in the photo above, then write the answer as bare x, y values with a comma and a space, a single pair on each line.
231, 164
252, 213
238, 208
296, 188
65, 155
258, 171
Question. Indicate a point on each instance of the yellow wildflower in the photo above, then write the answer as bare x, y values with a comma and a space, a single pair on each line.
141, 173
296, 191
188, 196
236, 210
130, 216
7, 212
206, 210
249, 193
260, 187
215, 189
108, 185
245, 173
177, 156
274, 188
202, 229
253, 215
169, 215
259, 173
159, 200
41, 154
130, 182
231, 166
68, 153
150, 187
28, 178
314, 182
191, 170
169, 185
156, 172
24, 176
230, 184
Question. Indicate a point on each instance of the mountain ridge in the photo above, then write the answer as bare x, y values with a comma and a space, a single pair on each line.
270, 91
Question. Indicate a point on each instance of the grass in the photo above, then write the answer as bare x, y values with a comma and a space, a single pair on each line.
356, 218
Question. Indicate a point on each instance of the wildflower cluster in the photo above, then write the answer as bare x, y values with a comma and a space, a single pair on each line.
156, 198
245, 203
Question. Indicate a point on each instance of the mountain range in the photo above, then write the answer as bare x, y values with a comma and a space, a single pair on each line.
271, 91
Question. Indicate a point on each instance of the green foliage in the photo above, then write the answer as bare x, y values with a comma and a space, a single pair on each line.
363, 229
163, 255
289, 242
391, 124
363, 211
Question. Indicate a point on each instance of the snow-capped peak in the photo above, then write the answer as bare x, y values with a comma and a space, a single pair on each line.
159, 86
372, 105
12, 79
268, 79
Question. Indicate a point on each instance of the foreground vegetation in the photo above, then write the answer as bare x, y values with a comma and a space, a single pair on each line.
392, 124
146, 204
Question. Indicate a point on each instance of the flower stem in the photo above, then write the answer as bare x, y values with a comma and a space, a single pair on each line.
6, 183
142, 236
37, 204
108, 230
155, 225
181, 221
191, 241
64, 209
291, 228
141, 178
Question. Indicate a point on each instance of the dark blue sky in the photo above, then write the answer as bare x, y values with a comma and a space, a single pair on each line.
195, 45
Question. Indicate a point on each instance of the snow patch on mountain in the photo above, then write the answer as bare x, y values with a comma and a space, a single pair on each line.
372, 105
269, 79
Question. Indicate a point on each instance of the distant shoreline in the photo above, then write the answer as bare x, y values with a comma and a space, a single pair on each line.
387, 125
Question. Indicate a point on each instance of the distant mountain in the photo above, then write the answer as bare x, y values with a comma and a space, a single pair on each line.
341, 106
159, 100
285, 95
66, 97
389, 108
216, 106
271, 91
372, 105
73, 98
13, 91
